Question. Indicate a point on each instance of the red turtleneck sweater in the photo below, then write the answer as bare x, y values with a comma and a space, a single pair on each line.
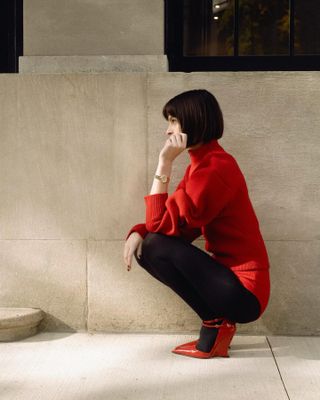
212, 200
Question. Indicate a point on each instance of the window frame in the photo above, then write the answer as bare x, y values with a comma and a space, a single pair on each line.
180, 63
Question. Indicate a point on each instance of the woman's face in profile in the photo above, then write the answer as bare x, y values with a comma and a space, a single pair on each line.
173, 126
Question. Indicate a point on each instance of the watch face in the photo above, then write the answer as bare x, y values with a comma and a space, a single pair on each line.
164, 178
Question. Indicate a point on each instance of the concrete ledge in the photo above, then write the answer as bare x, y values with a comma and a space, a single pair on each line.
93, 64
19, 323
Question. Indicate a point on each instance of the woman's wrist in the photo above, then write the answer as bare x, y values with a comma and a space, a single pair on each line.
164, 168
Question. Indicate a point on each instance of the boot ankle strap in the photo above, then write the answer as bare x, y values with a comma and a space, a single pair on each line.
208, 321
212, 323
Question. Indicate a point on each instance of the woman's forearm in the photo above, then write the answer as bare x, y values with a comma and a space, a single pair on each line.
163, 168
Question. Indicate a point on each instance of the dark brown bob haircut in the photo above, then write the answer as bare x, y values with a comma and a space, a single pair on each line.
199, 114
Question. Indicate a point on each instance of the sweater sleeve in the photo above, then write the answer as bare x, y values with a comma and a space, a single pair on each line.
201, 200
140, 228
189, 234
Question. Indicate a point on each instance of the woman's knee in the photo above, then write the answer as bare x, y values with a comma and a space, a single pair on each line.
243, 305
150, 238
247, 308
154, 245
149, 243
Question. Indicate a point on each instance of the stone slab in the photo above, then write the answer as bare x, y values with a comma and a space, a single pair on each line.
19, 323
95, 27
295, 280
18, 333
298, 362
46, 274
19, 316
72, 155
92, 64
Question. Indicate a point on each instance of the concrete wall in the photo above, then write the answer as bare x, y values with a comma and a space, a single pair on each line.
77, 155
93, 27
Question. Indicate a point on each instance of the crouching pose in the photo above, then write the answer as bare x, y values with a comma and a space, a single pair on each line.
232, 284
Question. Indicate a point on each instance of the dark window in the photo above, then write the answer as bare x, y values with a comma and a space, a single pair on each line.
307, 27
222, 35
264, 27
207, 31
11, 34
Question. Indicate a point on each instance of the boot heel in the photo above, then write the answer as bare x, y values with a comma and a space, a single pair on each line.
223, 340
222, 348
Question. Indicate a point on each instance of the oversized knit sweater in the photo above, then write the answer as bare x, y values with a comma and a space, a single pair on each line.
212, 200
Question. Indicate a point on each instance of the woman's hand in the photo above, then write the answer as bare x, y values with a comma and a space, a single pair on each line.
175, 144
133, 242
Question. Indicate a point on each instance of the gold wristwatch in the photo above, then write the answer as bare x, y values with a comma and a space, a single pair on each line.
162, 178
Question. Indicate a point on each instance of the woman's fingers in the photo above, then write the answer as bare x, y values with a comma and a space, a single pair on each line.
139, 250
129, 260
125, 253
178, 139
184, 138
130, 248
174, 139
127, 257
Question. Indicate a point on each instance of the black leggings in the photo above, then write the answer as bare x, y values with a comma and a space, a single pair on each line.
211, 289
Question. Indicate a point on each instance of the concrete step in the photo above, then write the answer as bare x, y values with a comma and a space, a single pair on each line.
19, 323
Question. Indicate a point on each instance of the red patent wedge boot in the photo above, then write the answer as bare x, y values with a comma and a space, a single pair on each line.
225, 334
209, 322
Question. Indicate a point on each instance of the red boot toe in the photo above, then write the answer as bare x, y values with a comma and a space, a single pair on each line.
186, 345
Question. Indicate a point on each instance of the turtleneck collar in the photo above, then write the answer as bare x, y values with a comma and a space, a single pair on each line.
197, 155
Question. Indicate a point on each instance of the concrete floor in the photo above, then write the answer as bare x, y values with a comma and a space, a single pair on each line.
141, 366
